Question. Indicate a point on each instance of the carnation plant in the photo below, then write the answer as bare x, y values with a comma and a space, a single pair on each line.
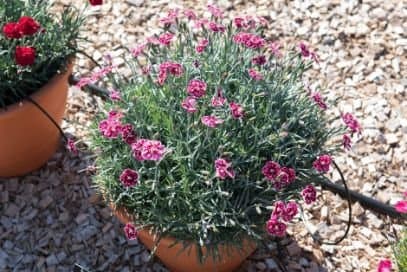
215, 137
35, 45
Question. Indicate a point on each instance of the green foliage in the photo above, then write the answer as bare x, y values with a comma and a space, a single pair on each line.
400, 252
54, 46
180, 195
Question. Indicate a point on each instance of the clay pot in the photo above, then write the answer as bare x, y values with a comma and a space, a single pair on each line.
187, 260
27, 137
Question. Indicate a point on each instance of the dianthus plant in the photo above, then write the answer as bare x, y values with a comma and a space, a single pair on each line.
215, 137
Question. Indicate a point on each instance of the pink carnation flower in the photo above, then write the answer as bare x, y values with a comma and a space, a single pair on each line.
130, 231
202, 44
128, 135
319, 100
289, 175
190, 14
224, 169
259, 60
322, 163
111, 127
129, 178
70, 145
255, 74
189, 104
309, 194
290, 211
271, 170
165, 39
307, 53
239, 22
276, 227
196, 88
236, 110
279, 208
211, 121
249, 40
351, 122
83, 82
216, 27
384, 266
150, 150
346, 142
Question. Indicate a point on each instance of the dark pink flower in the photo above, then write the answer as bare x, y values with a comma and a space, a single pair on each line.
255, 74
145, 70
290, 211
216, 27
239, 22
275, 49
384, 266
173, 68
190, 14
259, 60
319, 100
401, 206
189, 104
289, 175
202, 44
130, 231
196, 88
199, 23
322, 163
351, 122
211, 121
309, 194
215, 11
275, 227
150, 150
224, 169
102, 72
165, 39
279, 208
271, 170
129, 177
249, 40
236, 110
111, 127
346, 142
305, 52
115, 115
128, 134
218, 100
70, 145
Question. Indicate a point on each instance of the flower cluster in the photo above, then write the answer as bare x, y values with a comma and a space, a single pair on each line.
222, 125
282, 211
26, 26
36, 45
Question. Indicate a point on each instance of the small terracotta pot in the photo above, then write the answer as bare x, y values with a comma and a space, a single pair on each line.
187, 260
27, 137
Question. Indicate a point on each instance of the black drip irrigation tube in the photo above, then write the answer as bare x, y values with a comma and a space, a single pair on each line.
343, 191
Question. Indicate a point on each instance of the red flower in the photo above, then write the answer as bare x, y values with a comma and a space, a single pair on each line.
11, 31
28, 26
96, 2
25, 55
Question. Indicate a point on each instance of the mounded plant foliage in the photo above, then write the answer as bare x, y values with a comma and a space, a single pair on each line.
215, 137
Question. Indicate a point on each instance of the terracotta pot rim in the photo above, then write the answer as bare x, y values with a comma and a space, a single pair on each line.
149, 229
16, 106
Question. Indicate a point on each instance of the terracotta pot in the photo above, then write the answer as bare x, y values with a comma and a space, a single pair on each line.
187, 260
27, 137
